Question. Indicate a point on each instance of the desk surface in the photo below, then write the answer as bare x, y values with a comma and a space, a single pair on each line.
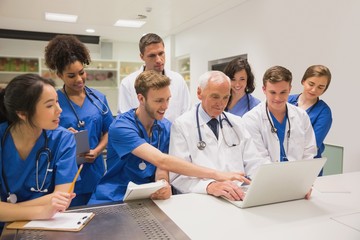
202, 216
140, 219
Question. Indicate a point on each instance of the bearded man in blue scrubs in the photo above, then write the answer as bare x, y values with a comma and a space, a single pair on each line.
139, 141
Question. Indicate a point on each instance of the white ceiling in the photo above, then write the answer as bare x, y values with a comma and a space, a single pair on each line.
165, 18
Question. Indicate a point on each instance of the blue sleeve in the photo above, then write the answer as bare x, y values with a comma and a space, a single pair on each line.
107, 118
322, 125
64, 156
124, 137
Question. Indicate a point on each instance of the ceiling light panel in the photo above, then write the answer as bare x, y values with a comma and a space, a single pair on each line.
129, 23
60, 17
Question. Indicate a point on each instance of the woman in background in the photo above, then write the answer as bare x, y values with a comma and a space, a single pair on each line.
37, 157
83, 108
315, 81
242, 85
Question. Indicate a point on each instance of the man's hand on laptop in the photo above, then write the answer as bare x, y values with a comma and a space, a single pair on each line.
234, 176
226, 189
308, 195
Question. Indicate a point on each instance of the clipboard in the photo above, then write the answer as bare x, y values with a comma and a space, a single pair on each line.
82, 145
66, 222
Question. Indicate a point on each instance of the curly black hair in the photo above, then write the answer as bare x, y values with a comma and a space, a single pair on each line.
63, 50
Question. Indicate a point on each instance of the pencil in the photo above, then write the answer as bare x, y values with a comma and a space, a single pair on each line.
71, 189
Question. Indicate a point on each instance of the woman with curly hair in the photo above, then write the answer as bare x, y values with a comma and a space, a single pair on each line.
83, 108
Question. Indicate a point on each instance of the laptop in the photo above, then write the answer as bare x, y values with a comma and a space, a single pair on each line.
280, 182
82, 145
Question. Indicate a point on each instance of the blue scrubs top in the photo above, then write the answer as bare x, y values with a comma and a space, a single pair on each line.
125, 134
281, 127
21, 174
321, 120
97, 123
245, 104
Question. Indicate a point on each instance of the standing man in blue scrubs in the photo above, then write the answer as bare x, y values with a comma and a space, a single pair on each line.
139, 141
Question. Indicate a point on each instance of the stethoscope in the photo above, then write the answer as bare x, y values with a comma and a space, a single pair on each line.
248, 101
88, 92
142, 165
44, 151
273, 128
202, 144
311, 108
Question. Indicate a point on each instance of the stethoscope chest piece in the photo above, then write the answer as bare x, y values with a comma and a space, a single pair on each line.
12, 198
201, 145
142, 166
81, 123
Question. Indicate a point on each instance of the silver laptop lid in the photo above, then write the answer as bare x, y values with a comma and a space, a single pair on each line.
282, 181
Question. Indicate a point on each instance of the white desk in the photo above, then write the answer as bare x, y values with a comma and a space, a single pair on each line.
206, 217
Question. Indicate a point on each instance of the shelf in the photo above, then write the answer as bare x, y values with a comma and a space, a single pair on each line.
183, 67
127, 68
100, 73
11, 67
104, 75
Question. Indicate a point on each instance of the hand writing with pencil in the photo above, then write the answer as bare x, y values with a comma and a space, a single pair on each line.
60, 201
71, 189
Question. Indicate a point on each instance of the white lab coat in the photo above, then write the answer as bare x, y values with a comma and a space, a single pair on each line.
300, 145
179, 101
217, 155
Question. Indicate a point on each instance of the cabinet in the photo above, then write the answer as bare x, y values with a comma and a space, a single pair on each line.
100, 73
104, 75
128, 67
10, 67
183, 67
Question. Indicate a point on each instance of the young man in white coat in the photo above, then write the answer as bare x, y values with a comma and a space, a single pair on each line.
281, 131
228, 147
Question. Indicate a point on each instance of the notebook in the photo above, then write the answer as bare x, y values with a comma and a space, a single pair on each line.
281, 182
82, 145
66, 221
142, 191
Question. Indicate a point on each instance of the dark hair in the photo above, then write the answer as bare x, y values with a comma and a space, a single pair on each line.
147, 39
21, 95
237, 65
277, 74
63, 50
317, 71
150, 79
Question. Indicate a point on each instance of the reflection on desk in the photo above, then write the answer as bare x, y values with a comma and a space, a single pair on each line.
133, 220
202, 216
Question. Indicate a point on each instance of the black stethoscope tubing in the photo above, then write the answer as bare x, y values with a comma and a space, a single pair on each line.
311, 108
12, 198
88, 92
142, 165
202, 144
248, 101
273, 128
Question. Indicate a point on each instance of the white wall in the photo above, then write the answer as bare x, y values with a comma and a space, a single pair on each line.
295, 34
27, 48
